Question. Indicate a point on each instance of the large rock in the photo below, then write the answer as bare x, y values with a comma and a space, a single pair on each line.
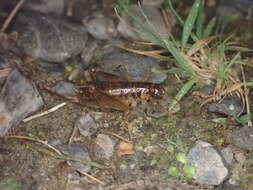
18, 99
151, 18
132, 67
210, 169
7, 61
47, 38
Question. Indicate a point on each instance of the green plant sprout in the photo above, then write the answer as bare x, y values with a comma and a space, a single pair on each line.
181, 169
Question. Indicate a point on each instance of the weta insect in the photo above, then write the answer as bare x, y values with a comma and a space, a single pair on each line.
113, 94
119, 95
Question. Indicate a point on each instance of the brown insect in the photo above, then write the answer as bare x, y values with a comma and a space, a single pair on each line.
119, 95
113, 94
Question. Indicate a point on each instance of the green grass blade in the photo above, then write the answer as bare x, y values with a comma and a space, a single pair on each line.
200, 21
244, 119
249, 84
175, 13
182, 92
173, 70
238, 48
166, 58
241, 62
178, 55
189, 23
209, 28
232, 62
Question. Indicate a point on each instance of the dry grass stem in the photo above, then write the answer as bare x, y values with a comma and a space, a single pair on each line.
200, 44
246, 96
93, 178
153, 53
45, 112
72, 135
36, 140
117, 136
11, 15
4, 72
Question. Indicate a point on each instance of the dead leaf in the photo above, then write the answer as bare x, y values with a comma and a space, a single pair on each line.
125, 148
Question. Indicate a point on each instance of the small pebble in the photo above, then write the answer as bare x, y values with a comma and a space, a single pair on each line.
230, 106
86, 125
101, 27
239, 157
79, 151
64, 88
243, 138
105, 146
210, 169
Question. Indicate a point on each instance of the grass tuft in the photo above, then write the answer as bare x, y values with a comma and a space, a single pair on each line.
200, 57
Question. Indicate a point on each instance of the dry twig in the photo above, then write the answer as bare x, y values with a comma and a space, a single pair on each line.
11, 15
72, 135
93, 178
45, 112
36, 140
152, 53
246, 96
117, 136
4, 72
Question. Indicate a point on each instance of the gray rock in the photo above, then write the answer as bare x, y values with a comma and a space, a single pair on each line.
231, 9
207, 89
48, 67
227, 154
86, 125
210, 169
95, 50
88, 51
64, 88
79, 151
55, 7
157, 3
132, 67
47, 38
105, 147
82, 9
7, 61
101, 27
230, 106
131, 29
243, 138
228, 13
18, 99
